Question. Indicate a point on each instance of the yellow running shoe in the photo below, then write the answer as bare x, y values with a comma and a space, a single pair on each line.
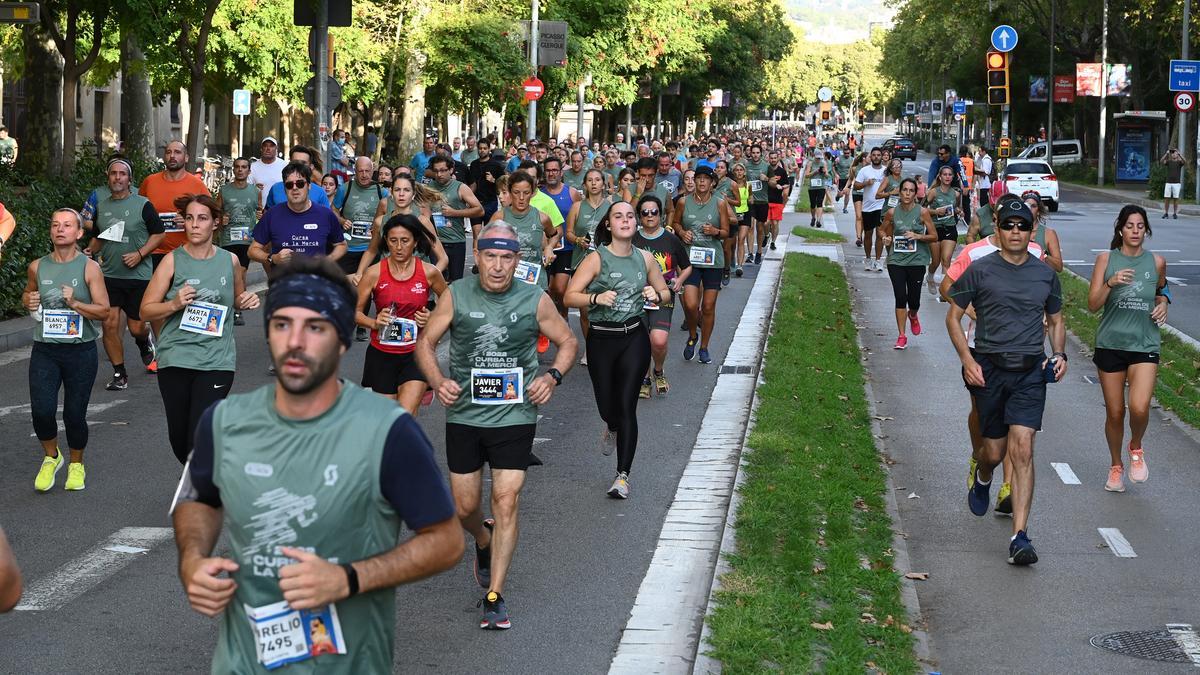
645, 390
971, 473
1004, 500
46, 474
75, 476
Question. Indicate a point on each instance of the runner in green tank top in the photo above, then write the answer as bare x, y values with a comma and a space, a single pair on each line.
942, 199
65, 291
459, 205
239, 201
1128, 283
312, 478
617, 285
701, 224
582, 220
907, 231
535, 231
647, 169
403, 200
575, 173
356, 205
1045, 237
889, 189
193, 293
983, 223
492, 393
730, 199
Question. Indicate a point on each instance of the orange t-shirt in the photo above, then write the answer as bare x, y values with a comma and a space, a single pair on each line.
162, 193
968, 166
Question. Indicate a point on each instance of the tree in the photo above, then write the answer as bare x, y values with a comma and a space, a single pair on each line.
42, 146
77, 57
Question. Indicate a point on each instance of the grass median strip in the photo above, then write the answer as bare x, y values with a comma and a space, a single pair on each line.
811, 234
1178, 385
812, 586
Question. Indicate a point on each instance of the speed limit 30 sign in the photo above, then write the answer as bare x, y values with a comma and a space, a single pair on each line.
1185, 101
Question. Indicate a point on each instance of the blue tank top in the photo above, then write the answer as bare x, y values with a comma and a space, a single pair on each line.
563, 201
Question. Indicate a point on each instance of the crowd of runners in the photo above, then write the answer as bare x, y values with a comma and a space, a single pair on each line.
487, 250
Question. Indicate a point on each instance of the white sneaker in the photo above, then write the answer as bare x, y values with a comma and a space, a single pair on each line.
583, 360
867, 264
608, 442
878, 265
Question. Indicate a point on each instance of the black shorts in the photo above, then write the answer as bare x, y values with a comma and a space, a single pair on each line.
709, 276
947, 233
126, 295
383, 373
349, 261
744, 219
155, 259
242, 251
871, 219
1008, 397
561, 264
1119, 360
467, 447
816, 198
759, 211
841, 183
856, 196
659, 319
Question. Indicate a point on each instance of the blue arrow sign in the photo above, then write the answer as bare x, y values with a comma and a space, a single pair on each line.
960, 107
1004, 38
1185, 75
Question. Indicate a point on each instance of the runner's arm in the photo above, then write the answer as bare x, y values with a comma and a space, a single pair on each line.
366, 286
97, 309
154, 307
1098, 287
439, 251
473, 210
10, 576
576, 295
425, 350
569, 230
1053, 255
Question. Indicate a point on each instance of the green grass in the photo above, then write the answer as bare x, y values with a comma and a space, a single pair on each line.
1178, 385
813, 538
803, 205
817, 236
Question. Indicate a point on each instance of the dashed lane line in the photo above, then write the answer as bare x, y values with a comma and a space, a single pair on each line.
1065, 473
1117, 543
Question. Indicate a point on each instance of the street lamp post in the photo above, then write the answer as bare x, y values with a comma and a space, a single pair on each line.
531, 125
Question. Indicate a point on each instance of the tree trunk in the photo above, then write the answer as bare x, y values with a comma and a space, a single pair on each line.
412, 127
196, 119
137, 133
41, 146
285, 123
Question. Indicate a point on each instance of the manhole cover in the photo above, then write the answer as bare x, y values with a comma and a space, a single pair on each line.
1155, 645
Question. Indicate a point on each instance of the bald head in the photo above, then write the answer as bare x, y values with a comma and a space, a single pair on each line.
175, 156
364, 171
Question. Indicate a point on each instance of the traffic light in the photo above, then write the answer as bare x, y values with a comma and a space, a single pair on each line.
997, 78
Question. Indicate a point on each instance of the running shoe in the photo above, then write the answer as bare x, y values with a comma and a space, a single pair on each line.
1020, 550
1116, 479
758, 258
878, 265
901, 343
867, 264
818, 226
148, 355
930, 285
608, 442
844, 210
238, 319
660, 383
773, 241
971, 467
1004, 500
738, 272
495, 612
812, 222
620, 486
914, 323
725, 277
704, 357
46, 474
765, 241
1138, 471
360, 334
978, 497
1165, 216
483, 559
117, 383
543, 344
75, 476
152, 367
749, 258
1175, 216
858, 242
645, 390
689, 349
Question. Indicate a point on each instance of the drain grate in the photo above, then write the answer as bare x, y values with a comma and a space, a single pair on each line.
736, 370
1155, 645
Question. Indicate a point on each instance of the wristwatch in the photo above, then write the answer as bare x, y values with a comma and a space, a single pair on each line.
1063, 355
553, 372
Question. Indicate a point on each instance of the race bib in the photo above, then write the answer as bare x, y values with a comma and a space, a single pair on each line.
816, 182
204, 318
399, 333
61, 323
114, 233
168, 221
497, 386
439, 220
528, 272
283, 635
360, 229
904, 245
893, 202
702, 256
239, 234
756, 185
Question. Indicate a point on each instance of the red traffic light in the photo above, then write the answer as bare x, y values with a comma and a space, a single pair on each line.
996, 60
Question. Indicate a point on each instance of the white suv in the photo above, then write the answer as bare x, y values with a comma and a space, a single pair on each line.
1022, 175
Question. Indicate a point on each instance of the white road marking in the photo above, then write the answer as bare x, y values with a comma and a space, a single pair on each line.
1065, 473
1116, 542
1187, 640
1164, 250
1176, 281
93, 408
539, 441
1074, 262
80, 575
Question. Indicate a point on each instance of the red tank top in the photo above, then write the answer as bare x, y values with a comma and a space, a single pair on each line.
408, 296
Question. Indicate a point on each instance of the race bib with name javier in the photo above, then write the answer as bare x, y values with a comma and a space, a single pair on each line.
497, 386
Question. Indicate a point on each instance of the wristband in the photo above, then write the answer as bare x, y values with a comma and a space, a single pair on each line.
351, 579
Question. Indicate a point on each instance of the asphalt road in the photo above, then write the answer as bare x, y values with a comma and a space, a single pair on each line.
577, 570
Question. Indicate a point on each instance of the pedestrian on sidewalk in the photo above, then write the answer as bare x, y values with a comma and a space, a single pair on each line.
1175, 164
1127, 283
1007, 372
908, 232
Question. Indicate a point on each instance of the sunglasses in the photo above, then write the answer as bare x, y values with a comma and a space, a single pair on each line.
1022, 226
294, 184
649, 213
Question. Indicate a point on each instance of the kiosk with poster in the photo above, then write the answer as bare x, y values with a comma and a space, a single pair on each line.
1139, 137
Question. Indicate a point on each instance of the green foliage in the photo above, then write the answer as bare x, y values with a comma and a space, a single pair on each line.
1158, 178
473, 58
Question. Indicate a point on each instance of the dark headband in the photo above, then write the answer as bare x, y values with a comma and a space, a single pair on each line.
499, 243
332, 301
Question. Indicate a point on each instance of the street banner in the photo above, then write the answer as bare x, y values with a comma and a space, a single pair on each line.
1088, 79
1037, 89
1120, 79
1064, 88
1133, 154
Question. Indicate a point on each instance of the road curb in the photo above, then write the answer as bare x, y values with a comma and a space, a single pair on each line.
1144, 202
665, 626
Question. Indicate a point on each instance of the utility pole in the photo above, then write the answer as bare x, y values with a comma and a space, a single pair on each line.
1187, 19
531, 126
579, 102
1050, 98
1103, 108
321, 32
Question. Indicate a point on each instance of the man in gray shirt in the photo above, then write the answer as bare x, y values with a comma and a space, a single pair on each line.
1174, 185
668, 176
1007, 372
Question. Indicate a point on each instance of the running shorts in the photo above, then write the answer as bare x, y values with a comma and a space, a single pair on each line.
709, 276
383, 373
126, 295
871, 219
775, 211
1008, 398
947, 233
759, 211
561, 264
467, 447
1119, 360
659, 319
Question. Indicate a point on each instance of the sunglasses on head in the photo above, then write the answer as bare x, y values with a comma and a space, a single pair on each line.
294, 184
1022, 226
648, 212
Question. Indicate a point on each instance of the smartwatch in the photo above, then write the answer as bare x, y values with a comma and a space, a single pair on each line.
553, 372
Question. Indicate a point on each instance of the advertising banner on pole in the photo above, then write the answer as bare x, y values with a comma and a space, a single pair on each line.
1038, 89
1088, 79
1120, 79
1064, 88
1133, 154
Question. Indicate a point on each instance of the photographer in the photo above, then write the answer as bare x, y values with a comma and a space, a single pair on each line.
1174, 185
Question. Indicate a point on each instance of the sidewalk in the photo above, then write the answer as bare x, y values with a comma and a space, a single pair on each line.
1132, 195
1087, 585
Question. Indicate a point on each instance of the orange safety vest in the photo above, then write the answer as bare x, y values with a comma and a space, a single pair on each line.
968, 166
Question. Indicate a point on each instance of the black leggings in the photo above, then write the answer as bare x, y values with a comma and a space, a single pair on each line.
186, 394
71, 367
617, 363
906, 285
457, 254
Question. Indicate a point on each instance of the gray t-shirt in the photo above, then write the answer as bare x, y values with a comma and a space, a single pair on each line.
1174, 171
671, 181
1009, 302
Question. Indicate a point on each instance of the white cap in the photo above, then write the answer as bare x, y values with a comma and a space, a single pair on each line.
271, 139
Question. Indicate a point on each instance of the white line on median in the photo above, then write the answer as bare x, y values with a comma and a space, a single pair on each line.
1117, 542
88, 570
1065, 473
1187, 640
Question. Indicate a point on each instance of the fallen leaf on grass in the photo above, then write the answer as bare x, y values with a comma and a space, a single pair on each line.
889, 620
828, 625
843, 398
904, 628
867, 617
860, 504
918, 576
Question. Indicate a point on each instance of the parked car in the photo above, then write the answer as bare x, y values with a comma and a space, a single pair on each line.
1021, 175
901, 148
1065, 151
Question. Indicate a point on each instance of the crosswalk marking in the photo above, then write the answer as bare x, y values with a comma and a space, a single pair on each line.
1065, 473
1117, 542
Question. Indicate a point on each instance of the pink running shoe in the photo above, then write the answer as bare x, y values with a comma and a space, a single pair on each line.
1116, 479
914, 323
1138, 471
901, 343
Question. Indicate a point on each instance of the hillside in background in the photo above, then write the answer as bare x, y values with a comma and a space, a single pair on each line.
838, 21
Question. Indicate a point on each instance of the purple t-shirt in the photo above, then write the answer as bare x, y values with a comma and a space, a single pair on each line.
313, 232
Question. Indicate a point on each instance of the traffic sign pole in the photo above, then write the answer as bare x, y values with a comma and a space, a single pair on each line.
534, 38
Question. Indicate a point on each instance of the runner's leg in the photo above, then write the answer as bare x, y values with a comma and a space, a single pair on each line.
1141, 387
708, 316
506, 493
1020, 449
